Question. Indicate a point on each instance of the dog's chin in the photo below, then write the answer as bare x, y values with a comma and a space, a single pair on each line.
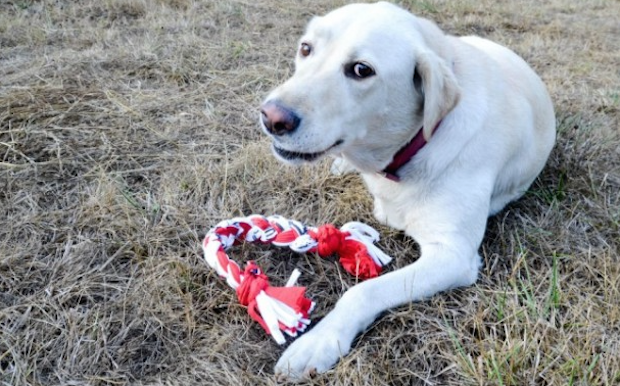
298, 157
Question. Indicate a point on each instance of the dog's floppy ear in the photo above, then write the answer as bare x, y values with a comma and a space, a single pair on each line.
438, 86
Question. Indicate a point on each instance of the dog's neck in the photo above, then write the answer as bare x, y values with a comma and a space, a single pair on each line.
405, 154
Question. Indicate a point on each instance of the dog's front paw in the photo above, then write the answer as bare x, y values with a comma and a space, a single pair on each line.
340, 167
315, 352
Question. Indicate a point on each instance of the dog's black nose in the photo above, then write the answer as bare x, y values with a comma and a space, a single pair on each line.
279, 120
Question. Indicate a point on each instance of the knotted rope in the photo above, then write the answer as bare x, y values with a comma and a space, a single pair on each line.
286, 308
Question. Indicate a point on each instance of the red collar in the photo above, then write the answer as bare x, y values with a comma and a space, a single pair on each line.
405, 154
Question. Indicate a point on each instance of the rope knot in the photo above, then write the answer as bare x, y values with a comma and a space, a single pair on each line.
253, 283
355, 256
329, 238
274, 308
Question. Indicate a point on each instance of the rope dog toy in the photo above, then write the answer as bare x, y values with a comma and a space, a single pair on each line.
286, 308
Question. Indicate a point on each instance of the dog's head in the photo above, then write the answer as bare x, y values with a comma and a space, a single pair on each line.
367, 78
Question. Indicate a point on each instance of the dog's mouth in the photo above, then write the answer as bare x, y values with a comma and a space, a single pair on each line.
289, 155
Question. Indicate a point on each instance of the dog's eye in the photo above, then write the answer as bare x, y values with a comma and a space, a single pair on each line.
360, 70
305, 49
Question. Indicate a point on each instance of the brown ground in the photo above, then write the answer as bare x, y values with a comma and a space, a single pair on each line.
128, 128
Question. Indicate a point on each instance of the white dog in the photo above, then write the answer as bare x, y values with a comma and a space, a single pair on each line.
445, 131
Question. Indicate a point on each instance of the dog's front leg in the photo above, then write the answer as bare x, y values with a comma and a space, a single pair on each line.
440, 267
340, 167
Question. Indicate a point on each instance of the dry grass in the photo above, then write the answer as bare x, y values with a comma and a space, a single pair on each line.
128, 128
